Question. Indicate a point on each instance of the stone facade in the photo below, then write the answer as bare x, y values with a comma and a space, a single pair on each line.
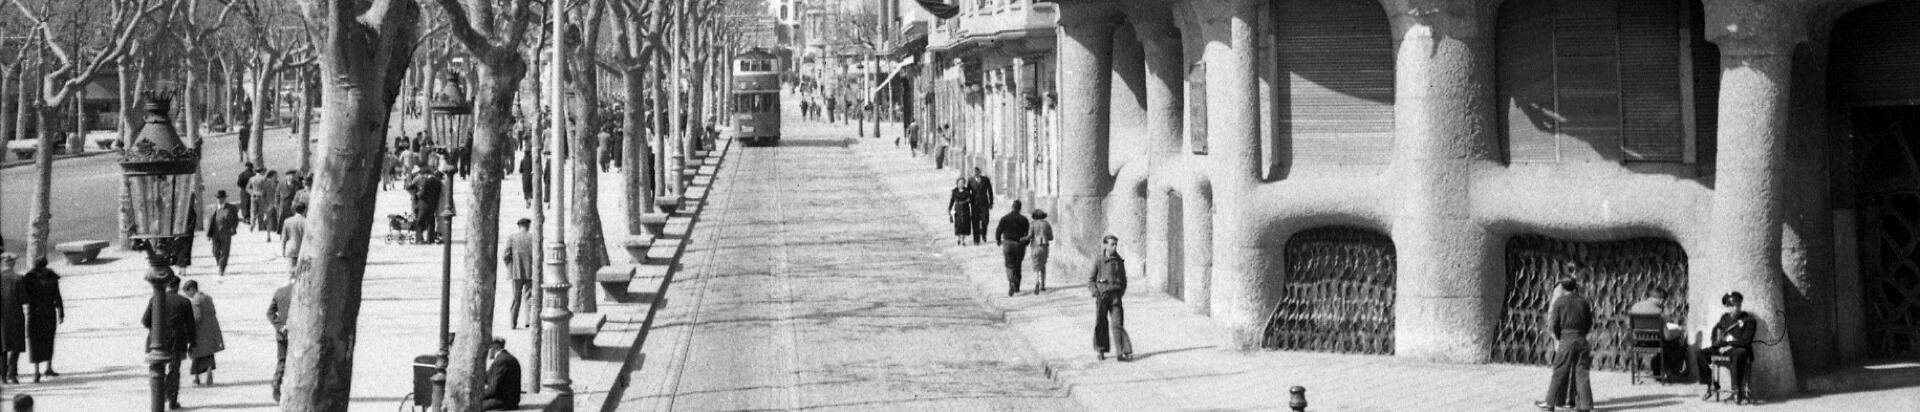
1206, 134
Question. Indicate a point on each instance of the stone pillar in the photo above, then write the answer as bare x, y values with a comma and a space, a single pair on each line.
1757, 40
1085, 52
1240, 296
1161, 57
1449, 285
1127, 202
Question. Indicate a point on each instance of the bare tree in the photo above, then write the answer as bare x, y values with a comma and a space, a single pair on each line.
280, 39
494, 37
639, 28
365, 47
72, 66
589, 243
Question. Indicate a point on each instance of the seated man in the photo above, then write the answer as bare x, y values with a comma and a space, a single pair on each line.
1732, 337
1672, 347
503, 378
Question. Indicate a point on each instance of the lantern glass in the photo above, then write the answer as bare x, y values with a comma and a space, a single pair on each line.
163, 204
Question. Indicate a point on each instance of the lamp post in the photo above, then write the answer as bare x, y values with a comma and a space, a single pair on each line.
159, 171
450, 107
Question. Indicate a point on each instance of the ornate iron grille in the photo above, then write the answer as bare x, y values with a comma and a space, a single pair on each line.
1338, 293
1890, 253
1612, 275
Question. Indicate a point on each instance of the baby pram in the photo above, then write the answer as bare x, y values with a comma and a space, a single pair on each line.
400, 229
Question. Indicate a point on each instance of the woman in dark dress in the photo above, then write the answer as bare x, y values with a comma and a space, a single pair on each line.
45, 311
13, 322
960, 210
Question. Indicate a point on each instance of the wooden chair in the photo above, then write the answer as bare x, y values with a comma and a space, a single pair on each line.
1646, 337
1735, 391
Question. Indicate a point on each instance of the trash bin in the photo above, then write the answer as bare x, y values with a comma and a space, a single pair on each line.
423, 370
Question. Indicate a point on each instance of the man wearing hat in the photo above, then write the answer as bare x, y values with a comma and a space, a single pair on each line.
1569, 319
1732, 337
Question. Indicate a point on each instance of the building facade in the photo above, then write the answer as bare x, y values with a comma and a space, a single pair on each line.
986, 93
1408, 178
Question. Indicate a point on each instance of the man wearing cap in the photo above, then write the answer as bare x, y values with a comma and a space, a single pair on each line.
503, 378
520, 268
174, 335
1733, 338
223, 220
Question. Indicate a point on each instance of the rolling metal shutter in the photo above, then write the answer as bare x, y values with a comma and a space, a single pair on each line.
1335, 105
1524, 73
1586, 68
1650, 86
1876, 55
1705, 57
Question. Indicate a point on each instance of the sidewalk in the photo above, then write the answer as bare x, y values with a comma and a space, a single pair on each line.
1182, 363
100, 351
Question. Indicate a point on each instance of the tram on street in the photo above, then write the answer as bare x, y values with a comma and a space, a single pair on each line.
756, 97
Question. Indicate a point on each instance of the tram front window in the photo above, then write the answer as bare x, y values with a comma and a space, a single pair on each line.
757, 103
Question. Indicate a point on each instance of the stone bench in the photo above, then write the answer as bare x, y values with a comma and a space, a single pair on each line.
613, 281
653, 224
537, 402
583, 327
81, 251
668, 204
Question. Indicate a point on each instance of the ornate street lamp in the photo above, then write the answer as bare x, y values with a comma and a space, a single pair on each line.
160, 176
451, 107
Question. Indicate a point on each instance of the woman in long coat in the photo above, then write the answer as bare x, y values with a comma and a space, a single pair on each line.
960, 210
13, 322
207, 338
45, 312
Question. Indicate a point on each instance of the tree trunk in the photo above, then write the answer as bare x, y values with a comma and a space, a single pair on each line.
497, 86
662, 86
6, 115
306, 123
589, 244
257, 117
361, 66
42, 207
639, 168
21, 106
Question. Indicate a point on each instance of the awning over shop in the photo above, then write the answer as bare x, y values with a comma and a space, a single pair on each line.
904, 63
939, 8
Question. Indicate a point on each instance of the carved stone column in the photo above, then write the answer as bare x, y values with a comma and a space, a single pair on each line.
1449, 272
1240, 273
1085, 53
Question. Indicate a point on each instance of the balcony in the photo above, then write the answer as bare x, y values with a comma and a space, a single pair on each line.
1005, 22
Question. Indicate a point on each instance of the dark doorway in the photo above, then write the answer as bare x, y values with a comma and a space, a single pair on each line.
1889, 226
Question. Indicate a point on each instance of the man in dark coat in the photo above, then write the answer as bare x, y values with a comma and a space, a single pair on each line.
503, 379
223, 220
1108, 284
1569, 319
1011, 235
1732, 337
982, 204
277, 313
175, 335
426, 204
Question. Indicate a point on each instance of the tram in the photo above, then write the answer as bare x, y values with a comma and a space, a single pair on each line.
756, 97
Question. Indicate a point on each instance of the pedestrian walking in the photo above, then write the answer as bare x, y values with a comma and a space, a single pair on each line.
293, 234
46, 310
175, 335
960, 211
1039, 238
982, 189
246, 200
389, 170
1108, 284
207, 337
520, 267
13, 320
1733, 338
1011, 235
526, 175
1569, 318
277, 312
223, 220
833, 107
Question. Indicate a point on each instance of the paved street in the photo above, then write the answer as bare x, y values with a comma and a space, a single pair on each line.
86, 190
809, 287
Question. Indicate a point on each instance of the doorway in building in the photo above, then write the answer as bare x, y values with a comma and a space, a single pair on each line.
1889, 227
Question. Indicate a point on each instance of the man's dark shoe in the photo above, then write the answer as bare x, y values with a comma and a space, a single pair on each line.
1542, 405
1101, 356
175, 405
